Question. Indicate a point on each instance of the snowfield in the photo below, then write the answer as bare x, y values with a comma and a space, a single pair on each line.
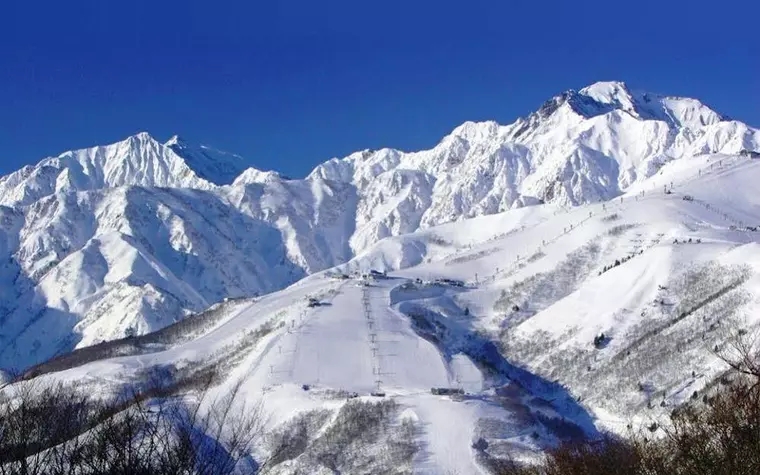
513, 287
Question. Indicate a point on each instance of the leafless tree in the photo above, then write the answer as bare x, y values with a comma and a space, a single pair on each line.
741, 353
58, 430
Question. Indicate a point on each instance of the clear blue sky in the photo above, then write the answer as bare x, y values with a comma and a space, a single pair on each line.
290, 84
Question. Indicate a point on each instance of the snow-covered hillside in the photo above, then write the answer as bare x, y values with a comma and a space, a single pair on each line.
553, 322
666, 278
80, 268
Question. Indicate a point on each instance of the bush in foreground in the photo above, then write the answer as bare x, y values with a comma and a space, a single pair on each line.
719, 435
57, 430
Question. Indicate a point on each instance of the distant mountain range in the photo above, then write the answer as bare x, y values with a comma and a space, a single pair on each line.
136, 235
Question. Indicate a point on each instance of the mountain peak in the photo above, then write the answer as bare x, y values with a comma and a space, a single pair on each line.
604, 97
253, 175
471, 130
606, 91
142, 137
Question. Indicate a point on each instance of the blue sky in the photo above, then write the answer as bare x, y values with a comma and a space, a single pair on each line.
291, 84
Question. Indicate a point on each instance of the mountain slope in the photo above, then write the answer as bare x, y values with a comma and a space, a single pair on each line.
215, 166
87, 266
667, 278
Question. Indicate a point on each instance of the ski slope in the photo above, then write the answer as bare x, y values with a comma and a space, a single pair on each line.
343, 346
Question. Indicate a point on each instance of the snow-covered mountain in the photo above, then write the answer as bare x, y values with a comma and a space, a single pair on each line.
83, 267
137, 161
579, 147
553, 321
539, 267
137, 234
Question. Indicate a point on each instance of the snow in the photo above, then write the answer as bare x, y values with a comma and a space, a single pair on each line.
329, 347
141, 235
614, 93
94, 264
